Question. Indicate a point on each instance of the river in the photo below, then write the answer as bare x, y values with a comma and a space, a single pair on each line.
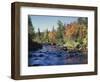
54, 55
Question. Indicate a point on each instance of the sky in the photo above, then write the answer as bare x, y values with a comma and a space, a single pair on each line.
48, 22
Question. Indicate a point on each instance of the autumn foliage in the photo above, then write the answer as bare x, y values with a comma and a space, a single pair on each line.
73, 35
52, 36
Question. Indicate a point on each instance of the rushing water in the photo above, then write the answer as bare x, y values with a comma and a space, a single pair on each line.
54, 55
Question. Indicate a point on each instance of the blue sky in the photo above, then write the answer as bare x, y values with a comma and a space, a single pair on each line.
47, 22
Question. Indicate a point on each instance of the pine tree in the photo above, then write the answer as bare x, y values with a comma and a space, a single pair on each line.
60, 32
46, 38
30, 28
39, 34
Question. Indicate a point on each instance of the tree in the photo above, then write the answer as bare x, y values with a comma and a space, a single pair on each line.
53, 29
83, 20
60, 32
76, 34
30, 28
39, 34
52, 36
45, 37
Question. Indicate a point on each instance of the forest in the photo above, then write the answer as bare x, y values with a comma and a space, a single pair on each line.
72, 36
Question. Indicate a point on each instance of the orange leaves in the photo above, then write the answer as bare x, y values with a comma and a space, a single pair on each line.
52, 36
74, 30
71, 30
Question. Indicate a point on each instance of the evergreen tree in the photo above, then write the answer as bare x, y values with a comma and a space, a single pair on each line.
83, 20
60, 32
30, 28
46, 38
53, 29
39, 34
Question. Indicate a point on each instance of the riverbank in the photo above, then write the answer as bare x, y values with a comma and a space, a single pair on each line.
54, 55
32, 45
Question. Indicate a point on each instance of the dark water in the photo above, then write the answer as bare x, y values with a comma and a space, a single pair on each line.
54, 55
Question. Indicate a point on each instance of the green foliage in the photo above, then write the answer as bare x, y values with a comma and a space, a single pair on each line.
83, 21
38, 36
60, 32
53, 29
45, 36
72, 36
31, 28
60, 29
76, 34
71, 44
